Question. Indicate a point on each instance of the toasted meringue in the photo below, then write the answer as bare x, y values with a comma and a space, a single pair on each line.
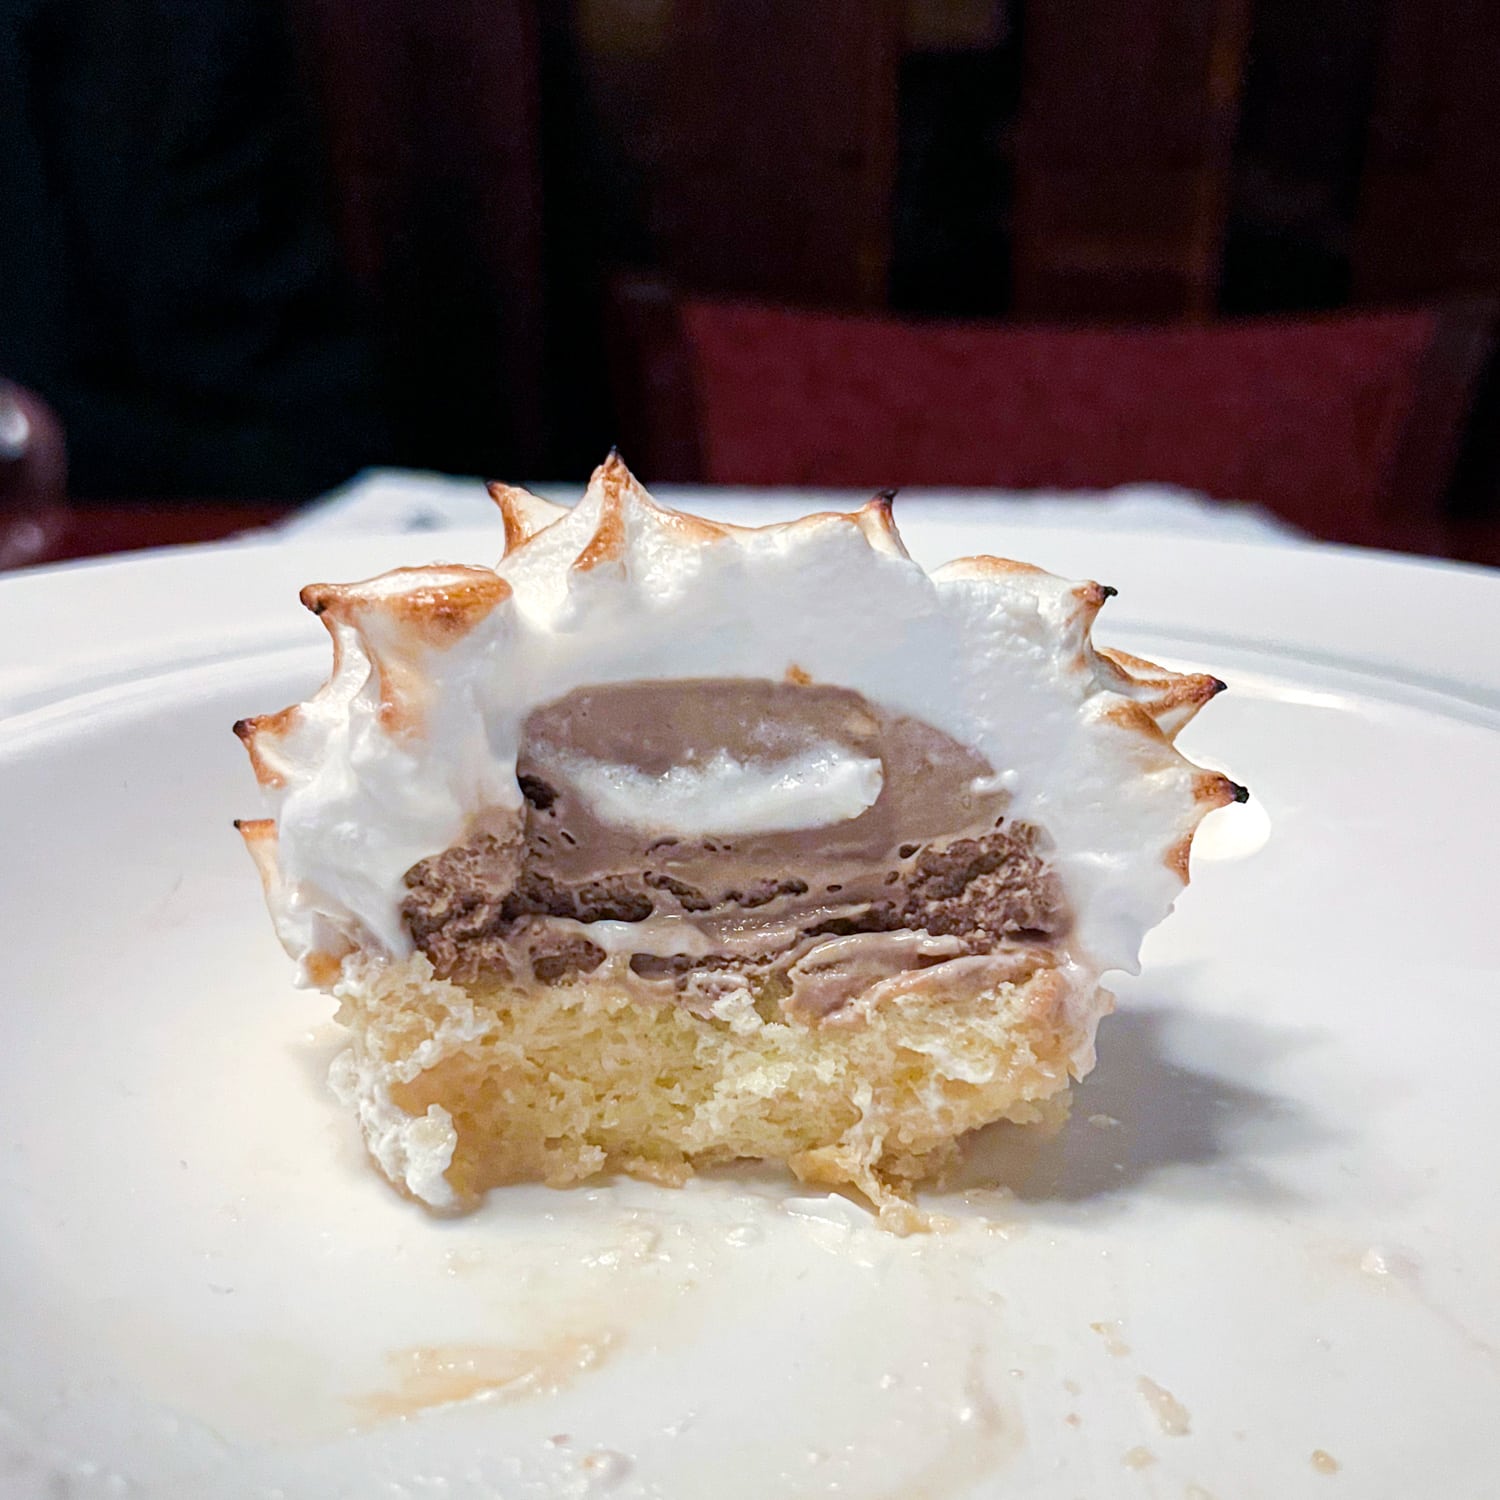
666, 842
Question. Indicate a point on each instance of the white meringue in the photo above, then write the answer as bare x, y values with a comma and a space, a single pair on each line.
436, 669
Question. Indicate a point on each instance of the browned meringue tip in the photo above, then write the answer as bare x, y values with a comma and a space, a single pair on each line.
1218, 791
615, 478
1210, 791
314, 597
1092, 597
439, 603
1174, 697
621, 495
396, 616
876, 519
607, 544
523, 514
259, 835
263, 730
1177, 702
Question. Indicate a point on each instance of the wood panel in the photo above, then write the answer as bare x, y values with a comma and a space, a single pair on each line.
1428, 225
432, 117
1122, 156
1429, 213
779, 120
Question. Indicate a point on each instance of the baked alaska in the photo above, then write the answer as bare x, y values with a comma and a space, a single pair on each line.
666, 843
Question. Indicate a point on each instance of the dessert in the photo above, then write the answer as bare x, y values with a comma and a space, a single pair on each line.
665, 843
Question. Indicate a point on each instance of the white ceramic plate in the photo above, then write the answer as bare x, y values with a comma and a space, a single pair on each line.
1262, 1260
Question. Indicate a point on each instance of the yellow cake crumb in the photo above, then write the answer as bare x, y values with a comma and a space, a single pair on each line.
559, 1083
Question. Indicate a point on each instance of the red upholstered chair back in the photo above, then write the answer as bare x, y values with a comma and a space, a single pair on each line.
1345, 425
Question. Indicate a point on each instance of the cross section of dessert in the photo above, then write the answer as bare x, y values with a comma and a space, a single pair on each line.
666, 843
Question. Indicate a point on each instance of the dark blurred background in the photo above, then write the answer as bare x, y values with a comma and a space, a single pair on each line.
248, 247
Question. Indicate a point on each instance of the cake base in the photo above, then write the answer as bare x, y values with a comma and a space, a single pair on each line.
460, 1090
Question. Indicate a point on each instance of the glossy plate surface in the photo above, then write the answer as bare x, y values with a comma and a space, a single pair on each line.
1263, 1259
